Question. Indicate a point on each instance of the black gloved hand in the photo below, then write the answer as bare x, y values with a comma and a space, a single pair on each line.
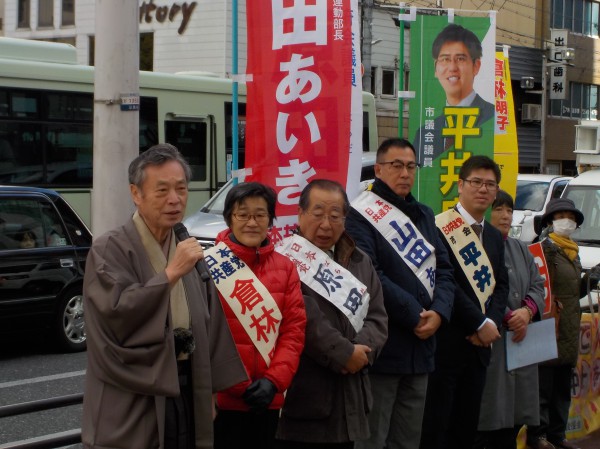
259, 394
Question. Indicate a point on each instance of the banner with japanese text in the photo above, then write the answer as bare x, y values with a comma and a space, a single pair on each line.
304, 104
452, 114
506, 148
584, 415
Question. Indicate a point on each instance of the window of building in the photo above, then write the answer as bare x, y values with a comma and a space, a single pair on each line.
388, 82
579, 16
147, 51
581, 104
68, 13
45, 13
23, 11
373, 80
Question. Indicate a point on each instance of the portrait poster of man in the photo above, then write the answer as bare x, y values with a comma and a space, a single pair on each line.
452, 115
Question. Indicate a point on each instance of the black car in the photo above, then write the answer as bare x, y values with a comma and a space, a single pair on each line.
43, 247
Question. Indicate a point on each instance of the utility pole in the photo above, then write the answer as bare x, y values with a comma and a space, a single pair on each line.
116, 111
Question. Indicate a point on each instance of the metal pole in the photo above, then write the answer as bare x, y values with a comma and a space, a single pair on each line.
544, 113
116, 132
401, 79
234, 101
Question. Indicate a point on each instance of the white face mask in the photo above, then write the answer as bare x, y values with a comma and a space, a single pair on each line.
564, 226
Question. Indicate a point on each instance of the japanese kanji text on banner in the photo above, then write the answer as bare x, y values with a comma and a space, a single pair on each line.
304, 110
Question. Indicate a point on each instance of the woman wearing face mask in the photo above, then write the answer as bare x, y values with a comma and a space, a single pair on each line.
562, 257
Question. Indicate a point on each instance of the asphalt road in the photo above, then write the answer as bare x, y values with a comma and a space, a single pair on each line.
32, 370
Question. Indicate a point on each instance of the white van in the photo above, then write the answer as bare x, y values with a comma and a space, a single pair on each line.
533, 193
584, 190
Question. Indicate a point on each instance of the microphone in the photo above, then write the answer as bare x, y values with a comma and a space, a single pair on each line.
181, 233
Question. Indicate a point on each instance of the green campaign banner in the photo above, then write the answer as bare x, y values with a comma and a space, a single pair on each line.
452, 115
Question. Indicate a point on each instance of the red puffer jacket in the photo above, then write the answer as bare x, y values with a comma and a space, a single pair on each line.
278, 274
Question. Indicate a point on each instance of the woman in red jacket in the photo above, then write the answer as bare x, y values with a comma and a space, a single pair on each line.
263, 303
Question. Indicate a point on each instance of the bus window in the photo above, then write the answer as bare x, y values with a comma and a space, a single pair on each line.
148, 122
241, 131
190, 139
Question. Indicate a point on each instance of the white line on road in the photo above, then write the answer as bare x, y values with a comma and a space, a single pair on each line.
34, 380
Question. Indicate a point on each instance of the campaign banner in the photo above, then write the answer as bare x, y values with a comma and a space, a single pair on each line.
537, 251
452, 115
304, 104
584, 415
506, 148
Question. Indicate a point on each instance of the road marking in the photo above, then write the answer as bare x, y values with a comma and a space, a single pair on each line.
34, 380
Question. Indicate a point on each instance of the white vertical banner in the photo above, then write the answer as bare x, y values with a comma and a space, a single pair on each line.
557, 67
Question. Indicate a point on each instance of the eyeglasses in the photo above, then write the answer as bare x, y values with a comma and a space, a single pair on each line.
399, 165
476, 183
446, 60
243, 216
333, 219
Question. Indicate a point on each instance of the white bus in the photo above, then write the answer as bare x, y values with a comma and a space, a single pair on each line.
46, 122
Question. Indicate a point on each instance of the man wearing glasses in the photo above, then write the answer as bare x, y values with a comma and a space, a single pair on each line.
456, 55
400, 236
464, 344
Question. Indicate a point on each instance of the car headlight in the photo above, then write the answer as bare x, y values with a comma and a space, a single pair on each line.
515, 231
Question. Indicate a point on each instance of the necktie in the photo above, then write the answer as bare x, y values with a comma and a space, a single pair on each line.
477, 228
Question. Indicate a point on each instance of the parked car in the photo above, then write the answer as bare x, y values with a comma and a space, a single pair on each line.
43, 247
533, 193
208, 221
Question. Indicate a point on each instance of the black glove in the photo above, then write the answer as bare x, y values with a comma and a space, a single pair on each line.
259, 394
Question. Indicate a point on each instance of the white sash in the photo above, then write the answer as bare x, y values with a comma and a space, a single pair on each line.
403, 236
249, 299
328, 278
469, 253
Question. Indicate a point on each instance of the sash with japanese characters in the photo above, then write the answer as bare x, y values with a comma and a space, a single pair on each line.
328, 278
469, 252
251, 302
404, 237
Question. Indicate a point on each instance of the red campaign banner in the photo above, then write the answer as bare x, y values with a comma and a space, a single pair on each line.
540, 260
298, 112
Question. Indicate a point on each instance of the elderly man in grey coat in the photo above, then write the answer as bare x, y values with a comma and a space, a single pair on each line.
328, 401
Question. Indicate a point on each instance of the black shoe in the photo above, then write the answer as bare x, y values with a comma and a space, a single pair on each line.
540, 443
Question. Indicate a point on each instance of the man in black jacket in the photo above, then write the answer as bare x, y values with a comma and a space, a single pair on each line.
463, 354
400, 236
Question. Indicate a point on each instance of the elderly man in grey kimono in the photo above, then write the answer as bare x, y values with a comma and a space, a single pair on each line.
330, 396
158, 344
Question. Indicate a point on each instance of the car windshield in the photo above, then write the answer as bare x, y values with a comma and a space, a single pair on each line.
587, 200
531, 195
217, 203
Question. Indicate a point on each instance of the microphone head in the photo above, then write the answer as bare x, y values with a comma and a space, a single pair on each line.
181, 231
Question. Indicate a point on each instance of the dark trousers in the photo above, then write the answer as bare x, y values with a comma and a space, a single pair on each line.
555, 400
453, 402
242, 430
280, 444
179, 412
497, 439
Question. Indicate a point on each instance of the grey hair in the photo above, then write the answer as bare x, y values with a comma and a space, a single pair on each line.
156, 155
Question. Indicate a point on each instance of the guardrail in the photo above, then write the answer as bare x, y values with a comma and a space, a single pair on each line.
53, 440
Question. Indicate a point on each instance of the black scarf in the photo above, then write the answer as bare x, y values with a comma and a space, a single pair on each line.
408, 205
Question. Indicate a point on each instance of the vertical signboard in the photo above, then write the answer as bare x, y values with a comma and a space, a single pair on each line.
452, 114
304, 108
506, 148
558, 70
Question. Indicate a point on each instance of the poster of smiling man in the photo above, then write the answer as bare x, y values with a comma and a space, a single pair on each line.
452, 114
